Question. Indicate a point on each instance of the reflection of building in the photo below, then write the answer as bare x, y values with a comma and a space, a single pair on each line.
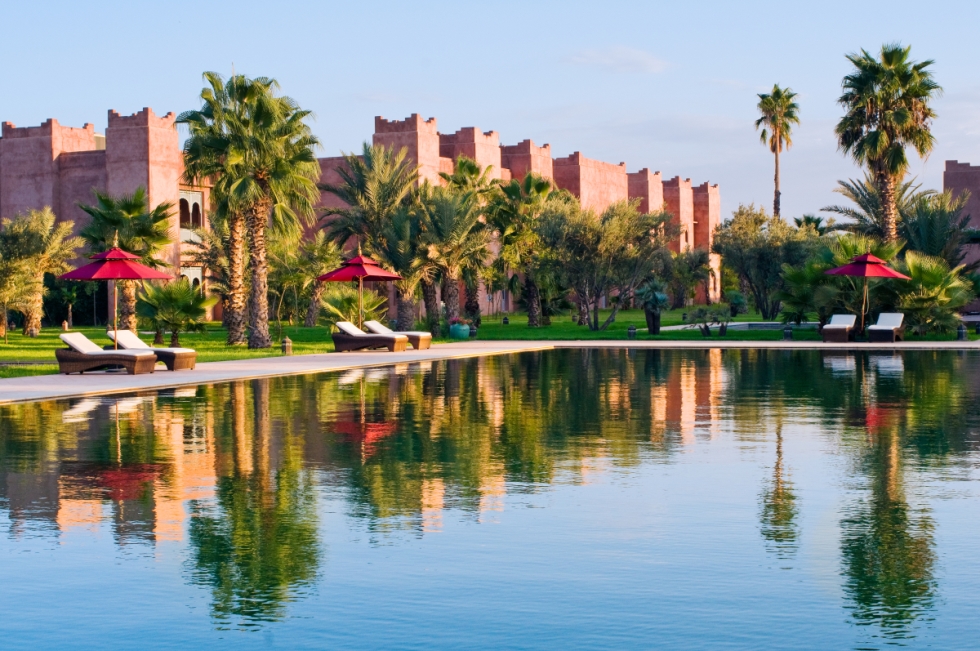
688, 401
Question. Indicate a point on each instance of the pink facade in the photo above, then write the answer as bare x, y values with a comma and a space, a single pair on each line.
648, 188
963, 177
525, 157
598, 185
679, 199
484, 148
707, 217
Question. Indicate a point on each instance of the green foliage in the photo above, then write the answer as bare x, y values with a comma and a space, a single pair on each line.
886, 102
807, 290
933, 295
755, 246
340, 304
602, 255
684, 272
867, 215
779, 114
819, 225
935, 225
652, 297
736, 302
175, 306
468, 176
128, 222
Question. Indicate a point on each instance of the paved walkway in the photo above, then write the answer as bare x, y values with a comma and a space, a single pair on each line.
47, 387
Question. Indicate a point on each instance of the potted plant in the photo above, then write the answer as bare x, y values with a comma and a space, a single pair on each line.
736, 302
459, 328
652, 297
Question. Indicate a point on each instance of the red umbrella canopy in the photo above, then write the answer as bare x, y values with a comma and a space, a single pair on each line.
115, 264
360, 267
867, 266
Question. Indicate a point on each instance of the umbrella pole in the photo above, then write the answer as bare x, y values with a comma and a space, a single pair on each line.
360, 303
864, 303
115, 317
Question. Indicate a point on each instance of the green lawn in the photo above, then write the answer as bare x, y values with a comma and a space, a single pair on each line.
211, 345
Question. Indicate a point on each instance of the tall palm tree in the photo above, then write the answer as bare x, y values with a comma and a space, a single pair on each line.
404, 252
318, 255
261, 152
935, 225
175, 306
820, 225
213, 254
513, 212
867, 215
31, 245
128, 222
455, 237
373, 185
886, 102
779, 114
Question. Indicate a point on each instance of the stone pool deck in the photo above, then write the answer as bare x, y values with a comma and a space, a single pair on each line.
49, 387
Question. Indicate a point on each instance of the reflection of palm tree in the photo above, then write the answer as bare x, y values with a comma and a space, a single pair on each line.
779, 506
257, 546
887, 552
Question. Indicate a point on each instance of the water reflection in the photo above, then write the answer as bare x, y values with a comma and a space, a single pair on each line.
237, 473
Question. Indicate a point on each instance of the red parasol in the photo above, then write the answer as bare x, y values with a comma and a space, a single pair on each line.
359, 268
866, 266
115, 264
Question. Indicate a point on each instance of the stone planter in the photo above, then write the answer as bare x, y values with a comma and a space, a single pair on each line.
473, 332
459, 331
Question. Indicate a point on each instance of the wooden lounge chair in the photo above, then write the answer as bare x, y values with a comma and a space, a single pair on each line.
889, 328
351, 337
419, 340
83, 355
840, 328
176, 359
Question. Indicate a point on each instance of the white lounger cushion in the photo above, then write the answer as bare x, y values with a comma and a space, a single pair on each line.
349, 328
842, 321
82, 344
380, 329
888, 321
128, 340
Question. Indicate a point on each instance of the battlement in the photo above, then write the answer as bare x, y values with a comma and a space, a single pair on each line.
412, 123
705, 188
526, 148
46, 129
956, 166
143, 119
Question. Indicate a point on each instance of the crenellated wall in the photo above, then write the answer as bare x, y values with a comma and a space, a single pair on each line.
707, 217
958, 178
679, 199
648, 187
598, 185
526, 157
419, 137
484, 148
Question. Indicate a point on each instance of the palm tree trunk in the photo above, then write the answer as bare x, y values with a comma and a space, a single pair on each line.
69, 319
406, 310
583, 307
3, 323
258, 304
35, 310
472, 304
234, 316
889, 211
533, 302
127, 305
431, 307
775, 199
174, 339
313, 311
450, 296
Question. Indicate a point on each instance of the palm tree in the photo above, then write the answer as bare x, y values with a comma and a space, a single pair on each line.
404, 252
175, 306
886, 102
779, 114
35, 244
868, 217
468, 176
373, 185
934, 294
127, 221
936, 226
213, 253
513, 212
818, 224
260, 151
318, 255
455, 237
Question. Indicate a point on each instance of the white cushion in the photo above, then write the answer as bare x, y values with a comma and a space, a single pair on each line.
842, 321
174, 350
127, 339
124, 353
349, 328
80, 343
377, 328
889, 320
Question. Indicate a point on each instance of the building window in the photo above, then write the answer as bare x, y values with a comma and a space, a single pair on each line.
185, 214
196, 216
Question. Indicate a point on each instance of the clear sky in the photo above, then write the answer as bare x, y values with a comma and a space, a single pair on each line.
666, 85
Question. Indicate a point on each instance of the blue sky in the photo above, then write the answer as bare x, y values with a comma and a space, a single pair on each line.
670, 86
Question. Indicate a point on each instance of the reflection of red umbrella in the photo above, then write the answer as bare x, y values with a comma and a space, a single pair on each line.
359, 268
129, 483
866, 266
115, 264
367, 434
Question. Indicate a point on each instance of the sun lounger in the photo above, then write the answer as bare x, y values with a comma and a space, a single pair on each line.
351, 337
889, 327
420, 340
176, 359
83, 355
840, 328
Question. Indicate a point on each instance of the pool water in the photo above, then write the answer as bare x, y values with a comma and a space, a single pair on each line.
574, 499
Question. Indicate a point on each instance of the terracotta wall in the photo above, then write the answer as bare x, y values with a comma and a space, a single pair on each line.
419, 137
963, 177
648, 187
484, 148
679, 198
707, 217
526, 157
597, 184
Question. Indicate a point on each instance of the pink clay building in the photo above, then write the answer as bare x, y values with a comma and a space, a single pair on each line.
57, 166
